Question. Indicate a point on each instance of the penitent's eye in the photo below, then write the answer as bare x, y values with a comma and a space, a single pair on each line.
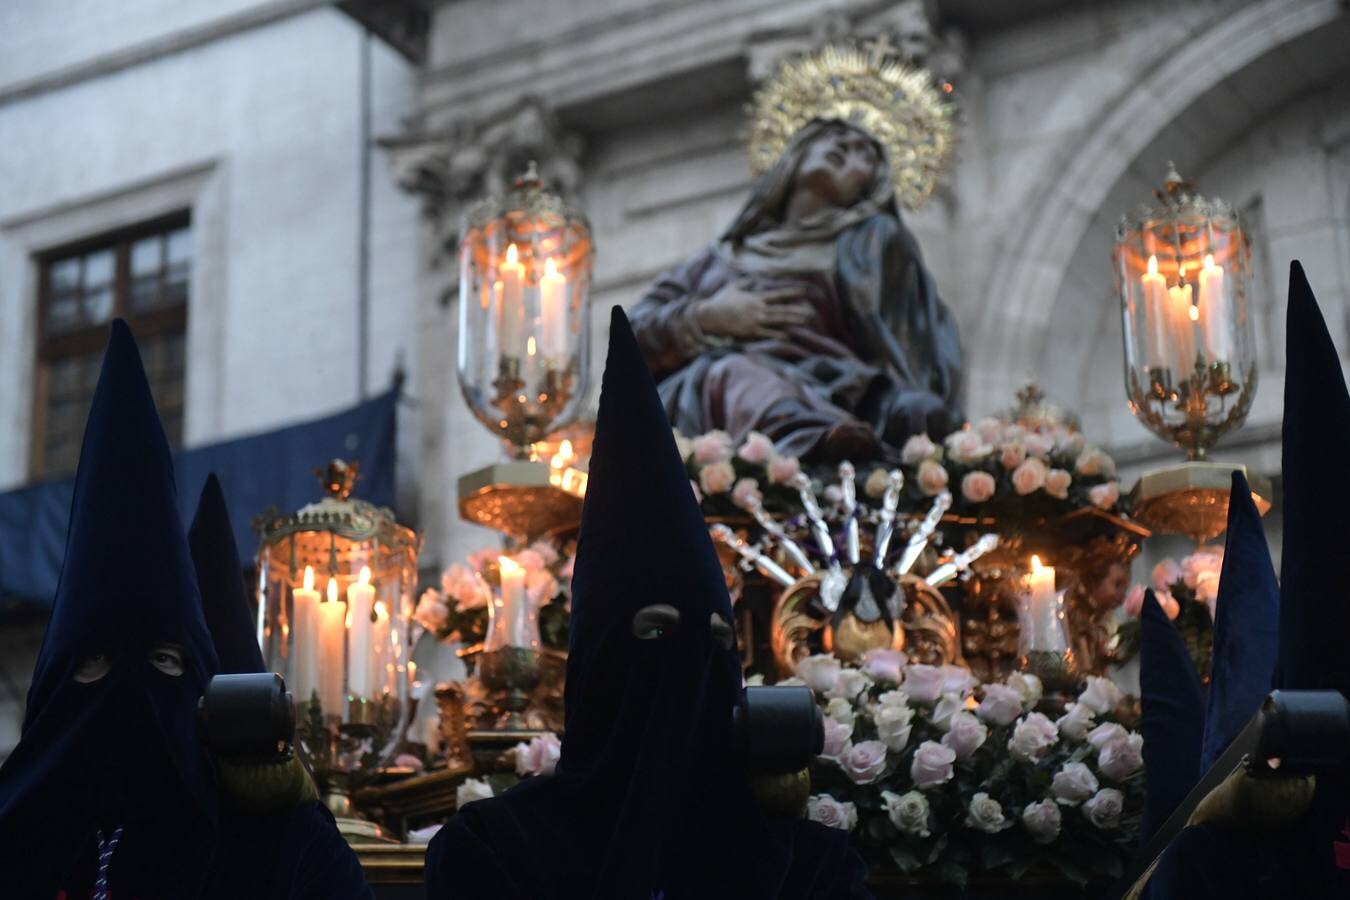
651, 623
93, 667
168, 658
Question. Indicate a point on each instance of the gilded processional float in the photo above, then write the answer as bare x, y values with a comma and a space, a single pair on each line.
955, 592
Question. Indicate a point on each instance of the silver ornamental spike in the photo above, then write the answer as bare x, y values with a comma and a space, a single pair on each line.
890, 502
947, 571
923, 534
833, 581
751, 555
848, 485
776, 531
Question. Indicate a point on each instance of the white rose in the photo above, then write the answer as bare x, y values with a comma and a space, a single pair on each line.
977, 487
965, 735
1042, 821
472, 789
948, 706
1101, 695
1070, 444
1105, 807
1103, 734
1039, 445
716, 478
917, 448
746, 494
828, 811
864, 762
1122, 757
892, 698
1104, 496
1001, 704
1032, 738
932, 478
908, 812
1057, 483
819, 672
893, 726
1076, 722
957, 680
1029, 686
884, 665
1073, 784
990, 429
431, 612
1012, 454
849, 684
932, 765
837, 736
967, 447
840, 710
539, 757
1095, 462
985, 814
757, 448
783, 469
922, 683
876, 484
1029, 476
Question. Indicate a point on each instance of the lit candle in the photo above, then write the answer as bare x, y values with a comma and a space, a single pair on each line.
1182, 326
1157, 314
331, 641
513, 615
304, 639
553, 303
511, 303
360, 608
379, 649
1044, 605
1214, 311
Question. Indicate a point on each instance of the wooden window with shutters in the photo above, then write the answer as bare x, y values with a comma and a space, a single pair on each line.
140, 274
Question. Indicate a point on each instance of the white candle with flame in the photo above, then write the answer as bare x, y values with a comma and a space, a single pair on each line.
512, 614
379, 649
331, 641
1214, 312
360, 608
304, 670
511, 303
1182, 323
1156, 312
1044, 606
553, 309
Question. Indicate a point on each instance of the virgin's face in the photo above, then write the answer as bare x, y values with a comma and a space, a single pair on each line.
838, 166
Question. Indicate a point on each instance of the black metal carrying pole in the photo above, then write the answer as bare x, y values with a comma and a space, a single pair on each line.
1295, 733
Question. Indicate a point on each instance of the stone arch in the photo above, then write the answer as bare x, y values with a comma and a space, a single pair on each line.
1027, 277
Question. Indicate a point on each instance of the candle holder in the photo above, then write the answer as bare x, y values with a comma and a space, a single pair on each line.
1043, 645
524, 315
335, 588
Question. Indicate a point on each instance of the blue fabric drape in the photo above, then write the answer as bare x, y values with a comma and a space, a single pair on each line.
269, 470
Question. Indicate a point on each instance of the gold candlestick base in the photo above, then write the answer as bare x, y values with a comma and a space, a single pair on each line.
1192, 498
525, 500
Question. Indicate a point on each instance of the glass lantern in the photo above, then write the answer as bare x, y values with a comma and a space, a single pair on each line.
524, 322
336, 582
1043, 634
1183, 274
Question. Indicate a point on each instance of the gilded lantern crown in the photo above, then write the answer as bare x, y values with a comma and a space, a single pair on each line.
1177, 200
532, 208
896, 103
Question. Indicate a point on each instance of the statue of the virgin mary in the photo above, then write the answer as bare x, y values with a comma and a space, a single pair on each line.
813, 319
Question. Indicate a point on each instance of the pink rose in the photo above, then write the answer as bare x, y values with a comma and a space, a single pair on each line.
957, 680
977, 487
1073, 784
716, 478
1170, 607
1076, 722
990, 429
850, 684
948, 706
876, 484
431, 612
539, 756
757, 449
783, 469
472, 789
1057, 483
1042, 821
484, 559
832, 813
932, 478
1104, 496
1001, 704
1105, 733
932, 765
967, 447
1105, 808
1012, 454
1165, 574
1134, 601
884, 665
922, 683
713, 447
820, 671
1120, 758
1095, 462
540, 586
1032, 738
917, 448
1039, 445
837, 736
529, 560
1101, 695
864, 762
1029, 477
965, 734
746, 494
546, 552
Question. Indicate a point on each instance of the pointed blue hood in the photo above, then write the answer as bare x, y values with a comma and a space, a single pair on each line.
221, 578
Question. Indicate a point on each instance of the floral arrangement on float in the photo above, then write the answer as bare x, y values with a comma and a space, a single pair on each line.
946, 778
1186, 591
537, 757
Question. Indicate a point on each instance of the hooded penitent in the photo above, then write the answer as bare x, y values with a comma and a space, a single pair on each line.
647, 800
1173, 716
294, 850
108, 744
